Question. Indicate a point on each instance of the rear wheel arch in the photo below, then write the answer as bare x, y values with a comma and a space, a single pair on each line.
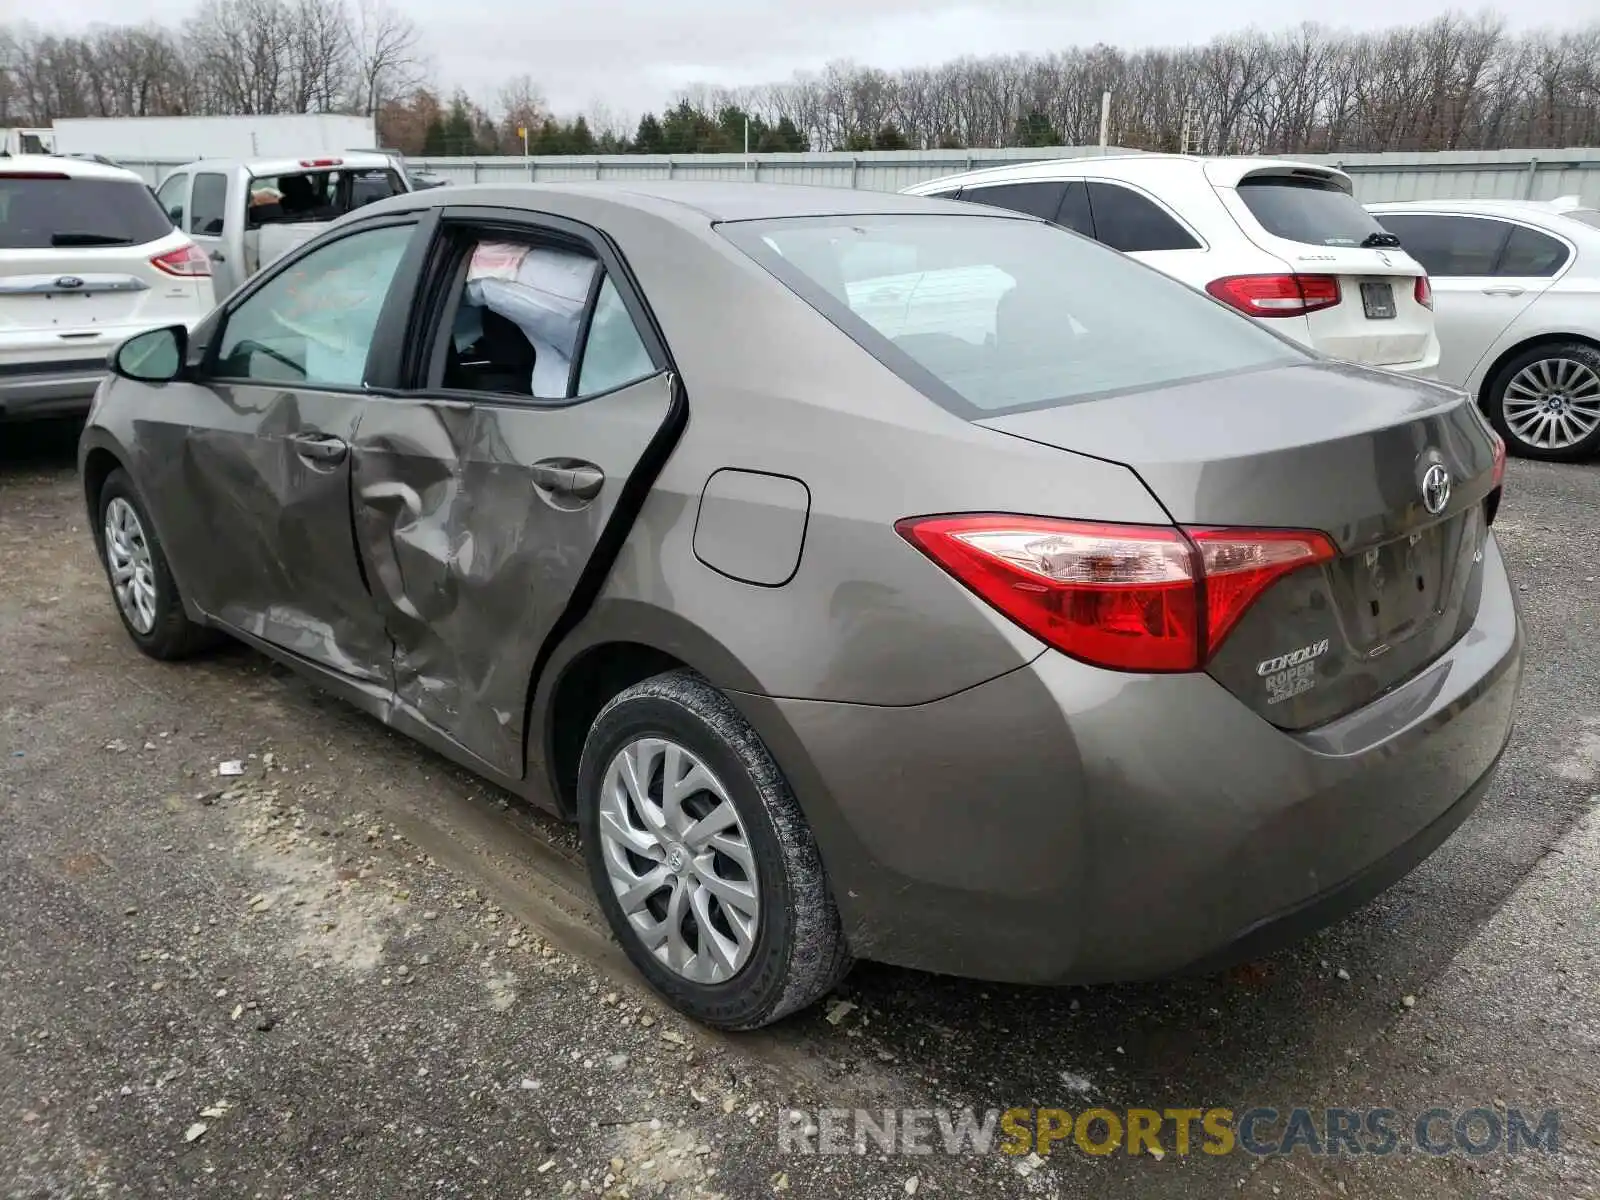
583, 687
1492, 372
620, 642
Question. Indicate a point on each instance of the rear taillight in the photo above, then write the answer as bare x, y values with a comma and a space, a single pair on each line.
1276, 295
1127, 597
321, 162
1424, 292
187, 261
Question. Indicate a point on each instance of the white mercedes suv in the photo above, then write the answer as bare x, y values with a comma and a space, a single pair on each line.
1283, 242
87, 259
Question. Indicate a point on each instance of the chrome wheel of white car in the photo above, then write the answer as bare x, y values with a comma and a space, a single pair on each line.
1553, 403
679, 860
128, 561
1545, 401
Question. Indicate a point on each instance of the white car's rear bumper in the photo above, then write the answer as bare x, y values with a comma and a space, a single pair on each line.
49, 389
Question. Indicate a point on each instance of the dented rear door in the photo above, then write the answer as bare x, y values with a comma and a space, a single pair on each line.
487, 509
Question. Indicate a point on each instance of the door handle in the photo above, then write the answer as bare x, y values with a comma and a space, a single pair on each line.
568, 477
321, 447
217, 256
1505, 289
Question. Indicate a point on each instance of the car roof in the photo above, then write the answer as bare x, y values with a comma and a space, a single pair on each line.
1221, 171
360, 160
695, 202
57, 164
1504, 207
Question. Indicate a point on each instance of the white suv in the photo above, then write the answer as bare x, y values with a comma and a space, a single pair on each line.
87, 259
1283, 242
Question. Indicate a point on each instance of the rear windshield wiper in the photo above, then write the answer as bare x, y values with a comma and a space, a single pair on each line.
88, 239
1380, 239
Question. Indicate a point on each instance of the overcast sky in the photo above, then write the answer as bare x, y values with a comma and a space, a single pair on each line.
631, 55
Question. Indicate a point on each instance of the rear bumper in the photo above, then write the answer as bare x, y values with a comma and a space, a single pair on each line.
29, 390
1064, 824
1422, 368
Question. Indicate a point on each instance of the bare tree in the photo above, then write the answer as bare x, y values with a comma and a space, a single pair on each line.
1452, 83
388, 58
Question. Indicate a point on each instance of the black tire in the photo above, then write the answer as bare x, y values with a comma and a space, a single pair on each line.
799, 951
1495, 401
173, 635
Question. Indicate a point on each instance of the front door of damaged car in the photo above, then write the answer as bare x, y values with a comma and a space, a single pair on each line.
259, 460
482, 489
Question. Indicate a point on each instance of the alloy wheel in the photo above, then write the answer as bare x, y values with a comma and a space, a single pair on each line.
1553, 403
133, 579
678, 858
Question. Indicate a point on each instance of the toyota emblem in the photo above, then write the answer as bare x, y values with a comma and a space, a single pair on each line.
1435, 489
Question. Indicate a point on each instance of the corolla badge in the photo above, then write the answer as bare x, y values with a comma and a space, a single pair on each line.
1435, 488
69, 281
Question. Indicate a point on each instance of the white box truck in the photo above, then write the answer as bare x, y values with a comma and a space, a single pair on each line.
136, 140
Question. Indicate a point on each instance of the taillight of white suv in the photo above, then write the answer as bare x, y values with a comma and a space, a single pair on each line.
186, 261
1285, 295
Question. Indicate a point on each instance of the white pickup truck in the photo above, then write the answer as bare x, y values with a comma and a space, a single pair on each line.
245, 214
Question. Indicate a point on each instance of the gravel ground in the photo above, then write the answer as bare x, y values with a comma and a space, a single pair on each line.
353, 970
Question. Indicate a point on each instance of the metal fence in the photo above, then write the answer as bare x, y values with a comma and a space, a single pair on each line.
1498, 174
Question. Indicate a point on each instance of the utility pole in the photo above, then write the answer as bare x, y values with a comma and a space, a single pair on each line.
522, 132
1183, 136
1105, 120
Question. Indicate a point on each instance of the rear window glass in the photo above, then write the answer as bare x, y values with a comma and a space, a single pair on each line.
1035, 199
1529, 252
1309, 211
318, 195
1127, 221
1449, 246
38, 214
989, 315
1588, 216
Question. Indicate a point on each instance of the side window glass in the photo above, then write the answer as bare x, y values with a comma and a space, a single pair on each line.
614, 353
312, 324
171, 197
1074, 212
1127, 221
208, 204
1529, 253
517, 321
1448, 246
1035, 199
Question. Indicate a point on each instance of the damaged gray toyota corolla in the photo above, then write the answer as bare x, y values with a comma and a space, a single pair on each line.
869, 576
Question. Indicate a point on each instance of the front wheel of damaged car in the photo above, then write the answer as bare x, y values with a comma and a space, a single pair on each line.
141, 582
702, 861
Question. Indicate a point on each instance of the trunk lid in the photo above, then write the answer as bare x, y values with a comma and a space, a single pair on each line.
1324, 447
1308, 218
